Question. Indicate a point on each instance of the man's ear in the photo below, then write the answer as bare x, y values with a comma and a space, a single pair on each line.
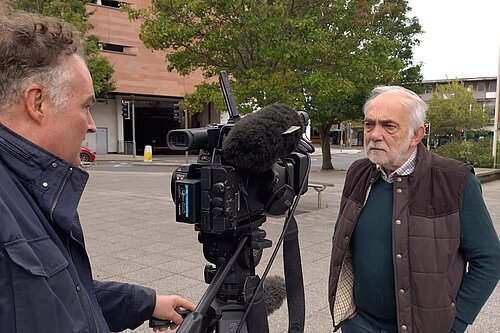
418, 135
36, 102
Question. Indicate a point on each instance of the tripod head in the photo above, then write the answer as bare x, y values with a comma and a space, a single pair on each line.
232, 283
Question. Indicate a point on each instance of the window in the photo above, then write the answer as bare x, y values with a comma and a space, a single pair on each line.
480, 86
428, 89
490, 107
492, 86
469, 86
107, 3
111, 47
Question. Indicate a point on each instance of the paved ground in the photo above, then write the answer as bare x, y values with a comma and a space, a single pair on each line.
132, 236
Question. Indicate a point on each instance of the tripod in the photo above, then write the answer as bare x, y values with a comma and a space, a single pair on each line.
232, 283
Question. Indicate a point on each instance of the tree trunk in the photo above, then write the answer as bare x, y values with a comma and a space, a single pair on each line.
325, 149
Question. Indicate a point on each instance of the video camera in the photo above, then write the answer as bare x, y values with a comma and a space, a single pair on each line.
227, 203
217, 197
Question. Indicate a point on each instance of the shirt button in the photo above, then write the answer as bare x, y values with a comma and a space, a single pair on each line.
399, 179
398, 256
78, 287
398, 221
452, 304
54, 164
404, 327
45, 184
401, 291
399, 190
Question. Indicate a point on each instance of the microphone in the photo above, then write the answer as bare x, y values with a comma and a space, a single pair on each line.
259, 139
274, 293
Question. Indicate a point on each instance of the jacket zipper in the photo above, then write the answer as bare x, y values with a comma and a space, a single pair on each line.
86, 293
52, 209
368, 190
59, 192
13, 150
93, 312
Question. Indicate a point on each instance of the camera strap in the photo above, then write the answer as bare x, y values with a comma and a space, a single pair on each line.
294, 280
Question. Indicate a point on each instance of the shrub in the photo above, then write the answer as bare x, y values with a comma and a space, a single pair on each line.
477, 154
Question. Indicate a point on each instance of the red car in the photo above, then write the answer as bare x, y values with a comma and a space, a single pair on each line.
87, 155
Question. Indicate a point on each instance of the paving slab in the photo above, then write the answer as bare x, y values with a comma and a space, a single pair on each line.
131, 235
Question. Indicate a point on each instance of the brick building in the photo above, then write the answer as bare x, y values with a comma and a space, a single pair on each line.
141, 77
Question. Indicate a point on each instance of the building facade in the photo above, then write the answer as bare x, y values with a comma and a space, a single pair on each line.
143, 80
484, 90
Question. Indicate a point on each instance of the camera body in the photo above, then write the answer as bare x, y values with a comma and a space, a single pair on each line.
207, 195
217, 197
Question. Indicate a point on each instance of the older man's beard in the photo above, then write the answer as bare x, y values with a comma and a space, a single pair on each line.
388, 158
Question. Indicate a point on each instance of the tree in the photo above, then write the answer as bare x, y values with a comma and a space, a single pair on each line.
453, 110
321, 56
74, 12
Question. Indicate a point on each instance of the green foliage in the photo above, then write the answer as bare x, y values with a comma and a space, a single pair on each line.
72, 11
205, 93
478, 154
102, 72
452, 107
75, 13
278, 50
321, 56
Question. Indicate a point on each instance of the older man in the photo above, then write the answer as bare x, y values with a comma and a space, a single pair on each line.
414, 248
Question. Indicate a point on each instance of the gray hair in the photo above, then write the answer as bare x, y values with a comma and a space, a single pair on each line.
411, 101
34, 49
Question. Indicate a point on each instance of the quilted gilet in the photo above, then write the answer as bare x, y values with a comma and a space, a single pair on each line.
428, 267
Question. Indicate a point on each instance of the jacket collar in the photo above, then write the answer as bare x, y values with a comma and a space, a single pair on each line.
423, 161
55, 184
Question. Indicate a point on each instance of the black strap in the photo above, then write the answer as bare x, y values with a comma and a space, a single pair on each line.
257, 318
294, 279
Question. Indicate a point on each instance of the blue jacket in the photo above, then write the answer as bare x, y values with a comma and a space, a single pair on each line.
46, 281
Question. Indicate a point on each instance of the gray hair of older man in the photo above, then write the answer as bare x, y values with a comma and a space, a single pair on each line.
410, 100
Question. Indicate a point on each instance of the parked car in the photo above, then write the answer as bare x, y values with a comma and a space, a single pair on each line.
87, 155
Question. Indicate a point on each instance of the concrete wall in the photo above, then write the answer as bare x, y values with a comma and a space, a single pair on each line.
105, 113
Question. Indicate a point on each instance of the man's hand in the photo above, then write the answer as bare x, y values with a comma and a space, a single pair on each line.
166, 307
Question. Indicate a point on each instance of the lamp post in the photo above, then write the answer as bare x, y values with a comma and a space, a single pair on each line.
495, 123
134, 148
185, 114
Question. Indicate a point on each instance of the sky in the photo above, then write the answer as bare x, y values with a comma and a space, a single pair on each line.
461, 38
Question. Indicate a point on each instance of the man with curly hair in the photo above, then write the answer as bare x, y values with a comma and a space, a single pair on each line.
46, 283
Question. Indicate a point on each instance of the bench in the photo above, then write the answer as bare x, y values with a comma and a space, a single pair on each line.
319, 188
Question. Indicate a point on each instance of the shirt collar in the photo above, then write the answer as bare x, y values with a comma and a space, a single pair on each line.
404, 170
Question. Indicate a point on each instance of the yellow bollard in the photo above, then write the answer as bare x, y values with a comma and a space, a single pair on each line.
148, 154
